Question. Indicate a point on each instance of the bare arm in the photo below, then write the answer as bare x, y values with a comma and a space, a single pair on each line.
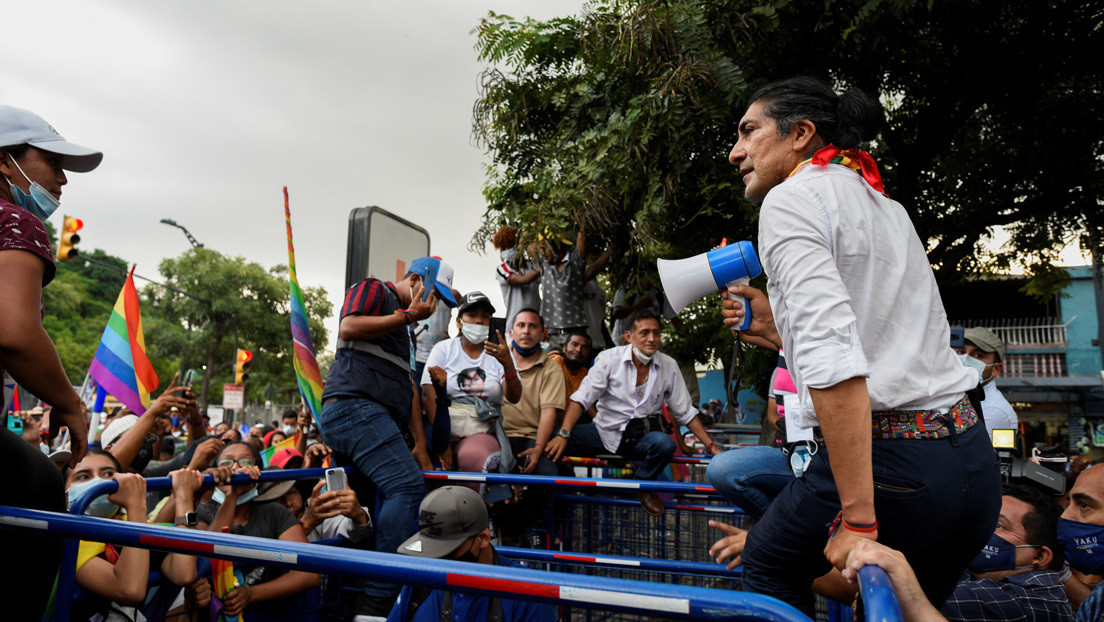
421, 456
523, 279
359, 327
124, 582
844, 414
698, 429
28, 354
599, 264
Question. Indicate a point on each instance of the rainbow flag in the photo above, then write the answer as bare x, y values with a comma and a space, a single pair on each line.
121, 366
304, 361
226, 580
287, 443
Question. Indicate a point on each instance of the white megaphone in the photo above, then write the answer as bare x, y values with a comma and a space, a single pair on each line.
686, 280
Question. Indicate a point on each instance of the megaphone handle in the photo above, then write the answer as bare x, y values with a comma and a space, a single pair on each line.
744, 301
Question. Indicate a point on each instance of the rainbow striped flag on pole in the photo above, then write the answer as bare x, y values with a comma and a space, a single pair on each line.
304, 361
121, 366
269, 452
226, 580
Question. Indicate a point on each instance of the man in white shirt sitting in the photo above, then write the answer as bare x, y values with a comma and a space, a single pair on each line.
984, 351
630, 384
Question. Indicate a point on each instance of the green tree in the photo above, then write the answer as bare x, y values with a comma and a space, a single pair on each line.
621, 119
229, 296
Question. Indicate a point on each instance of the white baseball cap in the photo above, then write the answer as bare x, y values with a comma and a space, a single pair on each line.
23, 127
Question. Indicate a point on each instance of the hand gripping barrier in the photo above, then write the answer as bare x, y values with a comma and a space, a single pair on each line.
67, 572
670, 601
879, 599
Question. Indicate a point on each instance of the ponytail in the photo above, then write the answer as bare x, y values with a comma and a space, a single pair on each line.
843, 120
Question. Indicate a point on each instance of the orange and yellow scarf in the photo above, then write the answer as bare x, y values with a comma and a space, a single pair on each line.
859, 161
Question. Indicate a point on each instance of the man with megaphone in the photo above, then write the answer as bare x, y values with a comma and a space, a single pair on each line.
854, 303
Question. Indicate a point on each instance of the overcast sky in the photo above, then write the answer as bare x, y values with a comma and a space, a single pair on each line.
206, 109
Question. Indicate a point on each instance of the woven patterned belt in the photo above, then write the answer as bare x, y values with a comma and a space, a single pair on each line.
918, 424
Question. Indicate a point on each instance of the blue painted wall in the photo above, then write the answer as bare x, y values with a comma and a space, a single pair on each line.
1079, 304
711, 387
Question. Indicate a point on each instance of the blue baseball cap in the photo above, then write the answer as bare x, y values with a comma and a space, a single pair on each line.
433, 270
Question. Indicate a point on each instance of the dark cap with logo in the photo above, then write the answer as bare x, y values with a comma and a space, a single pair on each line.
473, 299
447, 517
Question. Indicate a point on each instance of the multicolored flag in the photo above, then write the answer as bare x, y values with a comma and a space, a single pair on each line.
304, 361
121, 366
222, 570
270, 451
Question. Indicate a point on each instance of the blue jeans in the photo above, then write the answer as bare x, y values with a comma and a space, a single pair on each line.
363, 432
655, 449
750, 477
936, 501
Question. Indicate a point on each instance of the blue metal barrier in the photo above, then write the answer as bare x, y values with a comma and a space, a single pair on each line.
586, 483
879, 599
638, 563
629, 503
670, 601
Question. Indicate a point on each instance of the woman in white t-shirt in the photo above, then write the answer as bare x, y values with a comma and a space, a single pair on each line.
471, 367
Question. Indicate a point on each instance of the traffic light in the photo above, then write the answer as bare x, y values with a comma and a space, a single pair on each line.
242, 364
67, 244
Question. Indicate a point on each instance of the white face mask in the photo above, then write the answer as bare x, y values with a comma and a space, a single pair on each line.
289, 430
509, 254
218, 496
475, 333
974, 364
642, 356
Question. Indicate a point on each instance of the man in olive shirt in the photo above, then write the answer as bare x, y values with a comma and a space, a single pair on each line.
530, 422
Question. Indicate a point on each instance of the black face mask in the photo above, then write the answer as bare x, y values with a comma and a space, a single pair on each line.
468, 555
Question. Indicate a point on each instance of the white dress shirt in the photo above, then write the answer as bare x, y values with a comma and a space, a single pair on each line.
611, 383
853, 294
998, 413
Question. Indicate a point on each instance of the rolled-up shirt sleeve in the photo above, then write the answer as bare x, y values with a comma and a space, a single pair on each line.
798, 252
679, 403
594, 385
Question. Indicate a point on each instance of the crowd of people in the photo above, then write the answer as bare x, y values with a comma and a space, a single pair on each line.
880, 449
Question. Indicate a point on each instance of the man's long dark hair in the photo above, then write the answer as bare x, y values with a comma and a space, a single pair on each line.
845, 120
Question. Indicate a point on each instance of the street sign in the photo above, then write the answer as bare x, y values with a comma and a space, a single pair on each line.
233, 396
381, 245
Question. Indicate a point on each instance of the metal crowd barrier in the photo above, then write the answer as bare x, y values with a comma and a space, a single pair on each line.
669, 601
566, 589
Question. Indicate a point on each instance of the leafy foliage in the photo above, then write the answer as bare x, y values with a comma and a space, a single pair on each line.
620, 119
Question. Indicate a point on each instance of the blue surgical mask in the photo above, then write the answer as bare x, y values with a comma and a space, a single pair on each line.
100, 506
218, 496
525, 352
1083, 544
974, 364
39, 202
999, 554
509, 254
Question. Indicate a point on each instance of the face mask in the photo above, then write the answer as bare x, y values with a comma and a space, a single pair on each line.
641, 356
100, 506
526, 352
218, 496
973, 364
39, 202
999, 554
1083, 544
289, 430
468, 556
476, 333
509, 254
545, 346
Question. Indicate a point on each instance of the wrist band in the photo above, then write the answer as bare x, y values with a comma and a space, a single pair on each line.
711, 445
856, 527
408, 315
510, 375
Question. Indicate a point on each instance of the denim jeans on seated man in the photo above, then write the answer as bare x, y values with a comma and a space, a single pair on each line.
750, 477
364, 432
918, 488
655, 449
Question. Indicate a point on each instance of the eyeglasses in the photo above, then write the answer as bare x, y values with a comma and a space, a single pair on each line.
245, 462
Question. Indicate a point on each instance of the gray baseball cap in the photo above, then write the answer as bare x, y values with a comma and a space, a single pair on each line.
986, 341
23, 127
446, 518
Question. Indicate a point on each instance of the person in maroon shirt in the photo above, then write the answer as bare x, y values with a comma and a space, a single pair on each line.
33, 161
